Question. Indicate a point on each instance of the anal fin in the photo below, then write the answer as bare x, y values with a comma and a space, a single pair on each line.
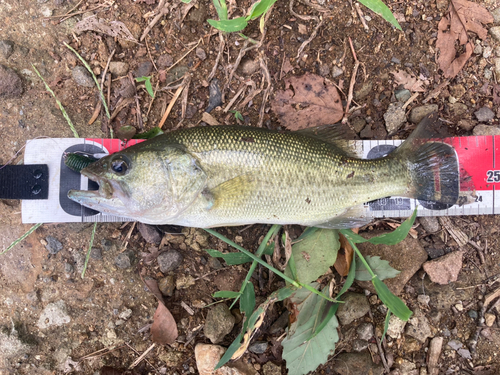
352, 217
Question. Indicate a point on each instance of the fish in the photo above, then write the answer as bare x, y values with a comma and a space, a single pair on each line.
216, 176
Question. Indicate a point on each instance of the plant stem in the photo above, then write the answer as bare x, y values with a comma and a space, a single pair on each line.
31, 230
254, 257
361, 258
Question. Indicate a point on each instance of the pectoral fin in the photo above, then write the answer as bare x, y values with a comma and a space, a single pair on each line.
235, 191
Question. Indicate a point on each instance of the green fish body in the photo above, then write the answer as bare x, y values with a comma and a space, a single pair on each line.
230, 175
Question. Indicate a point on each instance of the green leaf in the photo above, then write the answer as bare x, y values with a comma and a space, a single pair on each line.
379, 266
381, 9
247, 302
260, 8
230, 258
229, 26
147, 83
229, 352
392, 238
226, 294
303, 355
221, 9
186, 1
350, 278
392, 302
314, 254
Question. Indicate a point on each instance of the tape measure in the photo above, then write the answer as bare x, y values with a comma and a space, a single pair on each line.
478, 157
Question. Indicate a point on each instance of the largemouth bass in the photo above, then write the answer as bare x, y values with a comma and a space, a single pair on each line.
231, 175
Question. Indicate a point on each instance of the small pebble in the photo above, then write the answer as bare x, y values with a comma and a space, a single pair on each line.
118, 68
125, 314
169, 261
68, 267
473, 314
459, 307
336, 71
96, 253
123, 261
395, 60
82, 77
423, 299
201, 54
258, 347
489, 319
6, 48
53, 245
484, 114
402, 95
324, 70
167, 285
144, 69
365, 331
359, 345
106, 244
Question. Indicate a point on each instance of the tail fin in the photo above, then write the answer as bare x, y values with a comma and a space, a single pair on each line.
433, 166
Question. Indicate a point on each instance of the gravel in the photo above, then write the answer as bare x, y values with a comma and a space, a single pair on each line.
53, 245
395, 117
219, 323
484, 114
169, 261
430, 224
11, 85
82, 77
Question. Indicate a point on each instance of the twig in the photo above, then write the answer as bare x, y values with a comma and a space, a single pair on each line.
410, 100
352, 82
235, 97
162, 9
141, 357
99, 105
127, 237
149, 54
170, 105
222, 44
153, 99
313, 35
182, 58
302, 17
380, 349
68, 12
89, 250
137, 105
361, 17
479, 251
267, 76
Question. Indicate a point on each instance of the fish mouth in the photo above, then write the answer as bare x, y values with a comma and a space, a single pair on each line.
92, 197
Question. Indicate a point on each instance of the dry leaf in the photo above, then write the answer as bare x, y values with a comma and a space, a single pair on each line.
209, 119
409, 81
344, 257
164, 328
496, 94
310, 102
116, 29
463, 16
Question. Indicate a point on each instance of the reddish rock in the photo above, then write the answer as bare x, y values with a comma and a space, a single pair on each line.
445, 269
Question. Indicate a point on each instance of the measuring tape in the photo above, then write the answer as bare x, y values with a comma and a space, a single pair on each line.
478, 157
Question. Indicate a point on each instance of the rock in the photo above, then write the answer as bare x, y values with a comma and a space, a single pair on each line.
478, 49
367, 132
124, 260
150, 233
458, 109
198, 14
96, 253
279, 323
184, 281
68, 267
445, 269
165, 61
107, 245
396, 327
359, 345
406, 367
464, 353
406, 256
394, 117
258, 347
11, 85
323, 70
82, 76
365, 331
495, 32
363, 91
484, 114
467, 125
487, 52
358, 123
169, 261
172, 358
486, 130
248, 67
11, 346
356, 305
144, 69
215, 95
418, 113
430, 224
219, 323
201, 54
167, 285
271, 369
435, 347
118, 68
423, 299
489, 319
457, 91
472, 314
6, 48
54, 314
402, 95
214, 263
207, 356
53, 245
496, 63
336, 71
356, 364
419, 327
496, 15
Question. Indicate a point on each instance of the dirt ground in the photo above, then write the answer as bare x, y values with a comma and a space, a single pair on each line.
104, 318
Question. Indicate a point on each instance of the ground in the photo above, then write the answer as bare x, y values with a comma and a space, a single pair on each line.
54, 321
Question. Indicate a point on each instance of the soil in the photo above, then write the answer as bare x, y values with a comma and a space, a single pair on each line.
101, 330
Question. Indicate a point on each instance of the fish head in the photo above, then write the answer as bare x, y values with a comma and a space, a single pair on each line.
145, 184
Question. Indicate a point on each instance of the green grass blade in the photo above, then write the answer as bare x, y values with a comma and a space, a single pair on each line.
381, 9
229, 26
221, 9
64, 113
394, 304
15, 242
260, 8
101, 94
226, 294
386, 324
247, 303
229, 352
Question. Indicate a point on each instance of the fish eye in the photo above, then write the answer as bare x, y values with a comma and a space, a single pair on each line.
120, 165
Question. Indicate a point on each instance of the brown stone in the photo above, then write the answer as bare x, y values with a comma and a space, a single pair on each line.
445, 269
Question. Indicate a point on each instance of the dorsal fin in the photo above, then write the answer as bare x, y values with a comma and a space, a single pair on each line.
337, 134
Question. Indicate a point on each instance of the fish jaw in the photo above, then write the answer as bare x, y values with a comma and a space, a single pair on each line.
106, 199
